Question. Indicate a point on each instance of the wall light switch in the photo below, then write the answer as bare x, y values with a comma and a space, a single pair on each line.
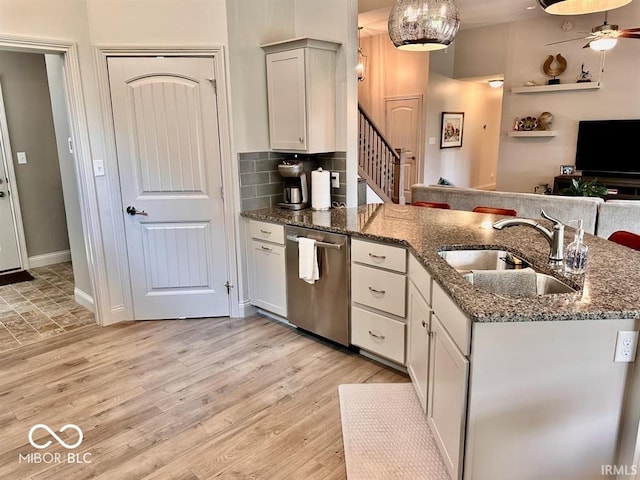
22, 157
335, 179
98, 168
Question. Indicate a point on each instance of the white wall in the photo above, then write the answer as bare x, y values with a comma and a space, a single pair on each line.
525, 162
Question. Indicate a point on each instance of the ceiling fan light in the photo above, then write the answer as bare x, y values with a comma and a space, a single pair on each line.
603, 44
579, 7
496, 83
423, 25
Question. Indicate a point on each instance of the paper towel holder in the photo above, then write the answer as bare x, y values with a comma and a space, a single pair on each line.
320, 189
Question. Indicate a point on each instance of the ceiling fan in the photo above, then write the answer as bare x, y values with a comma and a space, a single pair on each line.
605, 36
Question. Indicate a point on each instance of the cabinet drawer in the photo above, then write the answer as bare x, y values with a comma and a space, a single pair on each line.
271, 232
378, 289
420, 278
378, 334
456, 323
379, 255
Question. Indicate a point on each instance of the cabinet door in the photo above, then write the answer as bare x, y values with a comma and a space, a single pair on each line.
286, 92
267, 277
447, 396
418, 355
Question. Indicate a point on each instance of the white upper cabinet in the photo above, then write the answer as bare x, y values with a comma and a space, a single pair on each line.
301, 92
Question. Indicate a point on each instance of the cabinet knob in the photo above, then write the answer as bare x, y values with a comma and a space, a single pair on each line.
301, 140
424, 324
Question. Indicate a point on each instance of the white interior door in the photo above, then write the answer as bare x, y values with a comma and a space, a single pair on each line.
402, 124
9, 253
167, 141
9, 245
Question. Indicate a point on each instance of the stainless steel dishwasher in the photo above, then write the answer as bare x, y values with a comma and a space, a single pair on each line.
322, 307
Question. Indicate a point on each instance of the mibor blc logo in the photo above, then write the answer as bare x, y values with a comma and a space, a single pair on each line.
55, 457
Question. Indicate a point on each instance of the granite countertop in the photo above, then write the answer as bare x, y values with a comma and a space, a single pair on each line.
610, 289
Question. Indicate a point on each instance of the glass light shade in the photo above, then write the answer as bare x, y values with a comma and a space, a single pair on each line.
603, 44
496, 83
361, 67
579, 7
423, 25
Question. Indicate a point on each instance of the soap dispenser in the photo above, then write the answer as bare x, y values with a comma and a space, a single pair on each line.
575, 260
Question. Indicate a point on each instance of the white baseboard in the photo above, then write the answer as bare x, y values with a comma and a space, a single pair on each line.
84, 299
486, 186
49, 258
245, 309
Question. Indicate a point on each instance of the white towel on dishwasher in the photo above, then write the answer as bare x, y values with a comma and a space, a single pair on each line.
308, 260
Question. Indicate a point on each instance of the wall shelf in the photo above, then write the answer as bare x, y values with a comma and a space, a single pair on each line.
557, 88
532, 133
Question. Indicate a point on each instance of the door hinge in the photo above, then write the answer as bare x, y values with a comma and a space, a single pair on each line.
229, 287
214, 84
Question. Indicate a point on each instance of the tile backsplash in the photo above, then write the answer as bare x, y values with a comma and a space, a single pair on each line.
261, 184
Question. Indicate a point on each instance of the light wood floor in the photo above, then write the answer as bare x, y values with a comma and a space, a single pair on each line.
181, 399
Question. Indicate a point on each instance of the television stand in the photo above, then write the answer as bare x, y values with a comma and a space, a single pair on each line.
626, 188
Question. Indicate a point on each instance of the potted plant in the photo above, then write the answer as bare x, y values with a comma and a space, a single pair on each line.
585, 188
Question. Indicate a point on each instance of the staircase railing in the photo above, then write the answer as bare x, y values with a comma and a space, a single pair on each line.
378, 162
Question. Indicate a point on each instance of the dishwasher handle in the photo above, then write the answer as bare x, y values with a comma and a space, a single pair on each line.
294, 238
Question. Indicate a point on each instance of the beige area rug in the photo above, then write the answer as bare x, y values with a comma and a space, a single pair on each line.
385, 434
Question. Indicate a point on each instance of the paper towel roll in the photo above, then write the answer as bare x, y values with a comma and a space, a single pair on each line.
320, 189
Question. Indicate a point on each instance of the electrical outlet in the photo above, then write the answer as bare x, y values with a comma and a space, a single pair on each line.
626, 346
335, 179
98, 168
22, 157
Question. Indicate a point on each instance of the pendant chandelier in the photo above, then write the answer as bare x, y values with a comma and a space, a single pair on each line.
423, 25
579, 7
361, 67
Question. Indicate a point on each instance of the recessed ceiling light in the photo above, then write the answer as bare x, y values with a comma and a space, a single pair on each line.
497, 83
530, 7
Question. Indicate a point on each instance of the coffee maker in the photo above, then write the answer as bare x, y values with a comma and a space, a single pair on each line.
296, 189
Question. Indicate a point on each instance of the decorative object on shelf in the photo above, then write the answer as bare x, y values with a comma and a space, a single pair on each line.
566, 169
451, 134
545, 119
528, 123
542, 189
531, 83
361, 67
584, 75
555, 71
423, 25
584, 188
604, 37
580, 7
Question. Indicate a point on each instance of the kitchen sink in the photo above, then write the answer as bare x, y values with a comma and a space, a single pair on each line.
545, 284
468, 260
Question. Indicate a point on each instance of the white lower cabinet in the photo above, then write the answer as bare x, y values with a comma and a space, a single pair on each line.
378, 334
266, 266
418, 321
447, 396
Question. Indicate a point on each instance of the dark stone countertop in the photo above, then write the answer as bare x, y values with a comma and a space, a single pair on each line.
610, 289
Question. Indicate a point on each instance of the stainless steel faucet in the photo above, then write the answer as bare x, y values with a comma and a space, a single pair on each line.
555, 237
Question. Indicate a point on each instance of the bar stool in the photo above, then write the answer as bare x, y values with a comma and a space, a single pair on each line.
432, 205
628, 239
497, 211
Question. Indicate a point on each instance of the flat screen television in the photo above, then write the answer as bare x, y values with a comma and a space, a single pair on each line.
608, 147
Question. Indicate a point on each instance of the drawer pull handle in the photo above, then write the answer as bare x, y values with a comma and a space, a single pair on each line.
266, 232
373, 290
374, 335
266, 248
377, 257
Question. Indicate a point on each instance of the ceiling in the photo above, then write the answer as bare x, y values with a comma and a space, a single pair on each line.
373, 14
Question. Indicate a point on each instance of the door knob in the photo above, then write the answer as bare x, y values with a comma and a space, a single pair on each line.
1, 194
131, 210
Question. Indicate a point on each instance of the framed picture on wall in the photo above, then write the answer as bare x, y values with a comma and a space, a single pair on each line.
451, 134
